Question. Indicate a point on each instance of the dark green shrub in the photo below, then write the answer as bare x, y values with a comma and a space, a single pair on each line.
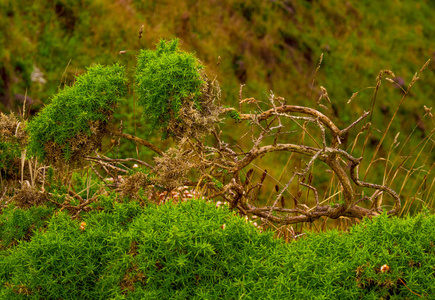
67, 262
166, 78
339, 265
195, 251
123, 252
74, 123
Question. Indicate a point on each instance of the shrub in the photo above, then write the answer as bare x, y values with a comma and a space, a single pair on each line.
67, 262
182, 102
336, 265
73, 124
194, 250
166, 78
170, 251
19, 224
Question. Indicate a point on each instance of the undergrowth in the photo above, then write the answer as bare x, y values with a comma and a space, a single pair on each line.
194, 250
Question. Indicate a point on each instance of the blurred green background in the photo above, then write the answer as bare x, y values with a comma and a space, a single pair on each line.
267, 45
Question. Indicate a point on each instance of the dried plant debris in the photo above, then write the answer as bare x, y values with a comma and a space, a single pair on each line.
76, 148
197, 119
141, 185
172, 168
131, 185
29, 196
12, 129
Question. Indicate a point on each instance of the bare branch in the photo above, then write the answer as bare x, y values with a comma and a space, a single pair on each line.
116, 160
135, 139
365, 114
297, 109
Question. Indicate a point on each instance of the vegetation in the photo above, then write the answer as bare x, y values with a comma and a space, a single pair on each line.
274, 45
165, 79
215, 169
106, 192
73, 125
13, 141
75, 121
195, 250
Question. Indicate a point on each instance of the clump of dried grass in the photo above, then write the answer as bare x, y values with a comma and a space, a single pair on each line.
29, 196
193, 121
173, 167
12, 129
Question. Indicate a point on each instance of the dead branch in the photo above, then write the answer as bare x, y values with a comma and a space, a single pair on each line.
240, 195
220, 165
116, 132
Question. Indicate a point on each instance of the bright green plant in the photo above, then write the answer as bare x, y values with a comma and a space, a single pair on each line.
19, 224
73, 124
194, 250
382, 258
166, 78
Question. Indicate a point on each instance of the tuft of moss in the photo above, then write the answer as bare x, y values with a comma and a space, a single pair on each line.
73, 124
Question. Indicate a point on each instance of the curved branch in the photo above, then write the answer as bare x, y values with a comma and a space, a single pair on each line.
391, 192
298, 109
256, 152
328, 155
344, 180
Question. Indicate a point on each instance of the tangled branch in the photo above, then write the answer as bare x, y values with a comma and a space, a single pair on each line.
219, 167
